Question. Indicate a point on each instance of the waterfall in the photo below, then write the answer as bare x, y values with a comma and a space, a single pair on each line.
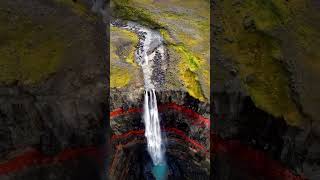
149, 54
152, 127
150, 50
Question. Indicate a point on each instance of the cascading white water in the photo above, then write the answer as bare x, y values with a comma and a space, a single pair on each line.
152, 126
150, 49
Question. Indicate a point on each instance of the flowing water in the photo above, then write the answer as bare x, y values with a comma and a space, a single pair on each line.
152, 127
149, 54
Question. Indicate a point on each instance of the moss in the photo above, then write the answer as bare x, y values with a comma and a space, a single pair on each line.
28, 52
185, 31
79, 9
192, 84
167, 37
188, 66
33, 47
41, 61
130, 40
119, 77
122, 9
259, 54
189, 60
122, 49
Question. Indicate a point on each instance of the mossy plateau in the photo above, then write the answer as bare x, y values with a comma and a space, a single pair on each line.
123, 68
185, 27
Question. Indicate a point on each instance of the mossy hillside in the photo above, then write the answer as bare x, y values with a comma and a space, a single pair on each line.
123, 69
258, 52
186, 28
188, 67
186, 33
35, 45
124, 10
29, 52
78, 8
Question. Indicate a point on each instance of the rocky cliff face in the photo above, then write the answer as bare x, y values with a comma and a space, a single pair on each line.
53, 90
260, 80
185, 123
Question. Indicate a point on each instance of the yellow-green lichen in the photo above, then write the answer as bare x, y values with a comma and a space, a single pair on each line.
122, 9
192, 84
29, 52
122, 49
258, 54
34, 47
119, 77
188, 68
78, 8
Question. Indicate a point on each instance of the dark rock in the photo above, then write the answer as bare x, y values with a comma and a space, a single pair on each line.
250, 79
248, 24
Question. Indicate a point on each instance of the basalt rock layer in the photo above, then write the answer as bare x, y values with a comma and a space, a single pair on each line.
52, 90
262, 74
185, 125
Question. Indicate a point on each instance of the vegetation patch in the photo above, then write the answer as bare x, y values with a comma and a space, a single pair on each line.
122, 49
188, 68
185, 28
79, 9
29, 52
119, 77
123, 10
259, 54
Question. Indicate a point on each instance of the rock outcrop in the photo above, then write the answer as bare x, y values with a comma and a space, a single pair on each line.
53, 90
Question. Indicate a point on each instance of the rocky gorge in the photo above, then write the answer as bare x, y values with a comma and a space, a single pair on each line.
184, 111
72, 92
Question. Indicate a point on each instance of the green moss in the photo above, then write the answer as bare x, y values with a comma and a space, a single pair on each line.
258, 54
122, 9
190, 61
192, 84
28, 52
188, 68
186, 32
34, 47
79, 9
42, 60
122, 49
119, 77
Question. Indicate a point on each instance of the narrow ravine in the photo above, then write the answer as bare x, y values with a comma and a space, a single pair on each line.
149, 54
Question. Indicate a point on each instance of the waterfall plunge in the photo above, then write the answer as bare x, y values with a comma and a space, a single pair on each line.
152, 125
150, 42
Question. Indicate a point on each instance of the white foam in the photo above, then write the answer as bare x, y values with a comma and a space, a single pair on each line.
151, 114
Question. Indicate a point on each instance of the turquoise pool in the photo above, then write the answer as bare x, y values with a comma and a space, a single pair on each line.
160, 172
